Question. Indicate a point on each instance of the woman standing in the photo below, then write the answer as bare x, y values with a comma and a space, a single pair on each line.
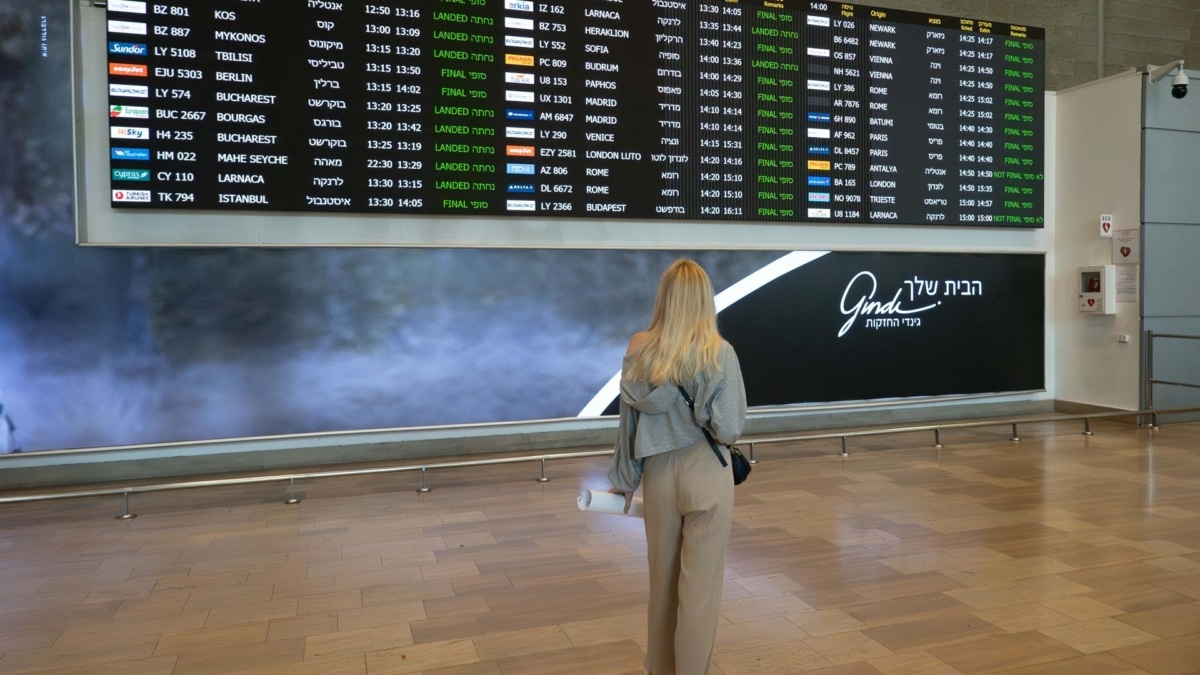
688, 491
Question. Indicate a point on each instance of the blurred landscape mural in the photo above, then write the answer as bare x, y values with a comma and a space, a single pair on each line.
102, 347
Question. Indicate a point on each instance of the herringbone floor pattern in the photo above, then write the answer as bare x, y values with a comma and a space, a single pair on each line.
1059, 554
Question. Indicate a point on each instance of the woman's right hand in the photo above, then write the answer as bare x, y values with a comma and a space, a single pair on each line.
628, 497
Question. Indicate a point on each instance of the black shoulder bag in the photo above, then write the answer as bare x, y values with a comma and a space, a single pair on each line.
741, 465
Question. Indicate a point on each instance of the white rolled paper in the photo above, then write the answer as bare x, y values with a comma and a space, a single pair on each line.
603, 501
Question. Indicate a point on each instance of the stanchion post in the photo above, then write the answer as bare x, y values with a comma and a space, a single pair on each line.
424, 486
1087, 426
1015, 437
752, 460
293, 499
126, 515
845, 452
543, 478
937, 438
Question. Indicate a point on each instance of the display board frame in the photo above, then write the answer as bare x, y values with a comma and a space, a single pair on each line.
99, 224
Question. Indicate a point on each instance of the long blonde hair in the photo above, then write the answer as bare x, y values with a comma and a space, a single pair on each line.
682, 340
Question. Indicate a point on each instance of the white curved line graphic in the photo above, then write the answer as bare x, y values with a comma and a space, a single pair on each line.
725, 298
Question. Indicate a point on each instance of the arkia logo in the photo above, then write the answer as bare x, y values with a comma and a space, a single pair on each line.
864, 286
128, 49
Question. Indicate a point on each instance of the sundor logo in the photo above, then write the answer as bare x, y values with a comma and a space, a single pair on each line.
128, 49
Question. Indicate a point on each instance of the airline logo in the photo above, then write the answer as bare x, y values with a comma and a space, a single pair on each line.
820, 213
131, 154
518, 60
817, 51
818, 165
818, 196
521, 187
820, 181
522, 205
818, 132
129, 90
522, 169
518, 5
518, 114
818, 85
520, 151
136, 112
128, 69
129, 6
818, 117
818, 150
128, 49
140, 133
142, 175
818, 21
519, 78
518, 24
518, 41
519, 132
137, 196
131, 27
518, 96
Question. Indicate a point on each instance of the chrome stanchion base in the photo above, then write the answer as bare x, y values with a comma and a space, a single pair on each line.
126, 515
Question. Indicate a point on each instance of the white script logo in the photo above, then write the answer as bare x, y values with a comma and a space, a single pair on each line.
867, 305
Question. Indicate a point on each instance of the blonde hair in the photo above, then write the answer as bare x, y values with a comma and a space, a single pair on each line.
682, 340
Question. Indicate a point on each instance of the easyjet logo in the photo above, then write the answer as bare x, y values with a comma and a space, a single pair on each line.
520, 151
128, 69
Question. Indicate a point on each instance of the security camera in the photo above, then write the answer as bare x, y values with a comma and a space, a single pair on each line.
1179, 83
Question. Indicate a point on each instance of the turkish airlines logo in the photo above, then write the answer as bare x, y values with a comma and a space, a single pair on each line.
136, 196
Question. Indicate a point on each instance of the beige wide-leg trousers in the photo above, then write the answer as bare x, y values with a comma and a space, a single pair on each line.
688, 500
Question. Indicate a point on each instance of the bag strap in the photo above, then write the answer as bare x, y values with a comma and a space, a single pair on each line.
711, 442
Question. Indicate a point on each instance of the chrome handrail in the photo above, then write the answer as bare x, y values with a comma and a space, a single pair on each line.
1148, 389
291, 478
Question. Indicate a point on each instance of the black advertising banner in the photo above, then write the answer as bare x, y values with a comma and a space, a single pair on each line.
856, 326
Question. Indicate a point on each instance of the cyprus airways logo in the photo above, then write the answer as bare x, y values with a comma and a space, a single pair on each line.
859, 300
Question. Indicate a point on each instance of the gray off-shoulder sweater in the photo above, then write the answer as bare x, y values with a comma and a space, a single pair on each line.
655, 420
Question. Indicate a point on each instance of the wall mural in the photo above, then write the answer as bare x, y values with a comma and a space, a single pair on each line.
103, 347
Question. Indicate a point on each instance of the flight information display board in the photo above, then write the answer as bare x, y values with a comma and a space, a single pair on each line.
647, 109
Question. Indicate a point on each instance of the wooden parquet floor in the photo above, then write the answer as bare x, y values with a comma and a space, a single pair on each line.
1060, 554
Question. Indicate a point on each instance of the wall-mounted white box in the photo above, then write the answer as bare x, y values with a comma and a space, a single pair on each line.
1098, 289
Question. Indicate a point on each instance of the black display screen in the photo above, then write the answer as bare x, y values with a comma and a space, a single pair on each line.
689, 109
